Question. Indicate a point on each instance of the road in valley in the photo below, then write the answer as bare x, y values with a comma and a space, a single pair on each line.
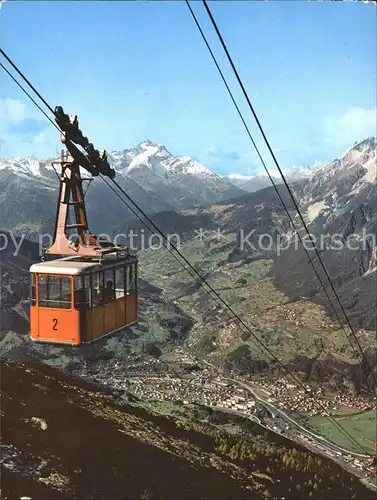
310, 436
292, 423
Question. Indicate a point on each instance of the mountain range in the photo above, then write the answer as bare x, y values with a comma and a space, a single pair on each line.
154, 178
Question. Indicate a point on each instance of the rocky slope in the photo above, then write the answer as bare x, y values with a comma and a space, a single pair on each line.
342, 182
340, 205
63, 438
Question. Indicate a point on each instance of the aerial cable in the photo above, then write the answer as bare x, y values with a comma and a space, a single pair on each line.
29, 96
289, 190
258, 152
237, 317
145, 224
370, 371
58, 128
33, 101
199, 281
27, 81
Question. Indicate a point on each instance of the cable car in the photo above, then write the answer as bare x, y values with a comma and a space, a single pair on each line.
91, 290
75, 300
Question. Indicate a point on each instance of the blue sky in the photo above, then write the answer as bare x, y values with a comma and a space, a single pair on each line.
136, 70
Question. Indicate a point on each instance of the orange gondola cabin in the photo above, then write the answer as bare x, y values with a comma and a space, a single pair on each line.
91, 290
75, 301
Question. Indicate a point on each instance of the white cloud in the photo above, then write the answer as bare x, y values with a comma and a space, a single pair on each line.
39, 138
23, 131
12, 112
355, 124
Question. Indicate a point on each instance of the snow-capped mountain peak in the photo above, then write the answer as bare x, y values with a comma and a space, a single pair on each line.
26, 167
146, 143
147, 158
361, 153
189, 166
156, 158
334, 185
360, 146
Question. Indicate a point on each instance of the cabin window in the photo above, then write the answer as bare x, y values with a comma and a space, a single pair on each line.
96, 287
102, 287
109, 289
33, 294
131, 278
120, 281
54, 291
82, 292
110, 276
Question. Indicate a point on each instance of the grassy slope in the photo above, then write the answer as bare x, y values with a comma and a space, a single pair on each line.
86, 446
98, 450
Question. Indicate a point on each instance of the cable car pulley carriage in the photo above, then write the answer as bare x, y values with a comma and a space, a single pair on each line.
91, 290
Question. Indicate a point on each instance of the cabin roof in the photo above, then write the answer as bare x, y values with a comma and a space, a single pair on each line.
71, 266
63, 267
